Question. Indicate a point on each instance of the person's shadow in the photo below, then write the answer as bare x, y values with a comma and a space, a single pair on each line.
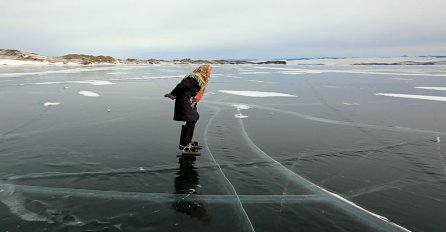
186, 186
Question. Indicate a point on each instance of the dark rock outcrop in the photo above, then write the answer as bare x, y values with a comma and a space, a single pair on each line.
272, 62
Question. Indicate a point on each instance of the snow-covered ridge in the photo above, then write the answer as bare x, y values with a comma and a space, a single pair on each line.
16, 57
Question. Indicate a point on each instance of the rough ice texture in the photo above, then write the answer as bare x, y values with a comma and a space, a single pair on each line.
422, 97
46, 104
88, 94
433, 88
256, 93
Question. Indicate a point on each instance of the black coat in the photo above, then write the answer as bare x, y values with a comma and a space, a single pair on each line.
185, 92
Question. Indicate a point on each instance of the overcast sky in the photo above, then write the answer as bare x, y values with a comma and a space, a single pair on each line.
213, 29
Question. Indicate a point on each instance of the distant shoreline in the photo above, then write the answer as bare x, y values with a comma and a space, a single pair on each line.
17, 57
10, 57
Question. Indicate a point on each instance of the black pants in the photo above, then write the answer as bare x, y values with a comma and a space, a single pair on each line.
187, 132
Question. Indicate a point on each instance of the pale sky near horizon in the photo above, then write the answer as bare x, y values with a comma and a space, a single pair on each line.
215, 29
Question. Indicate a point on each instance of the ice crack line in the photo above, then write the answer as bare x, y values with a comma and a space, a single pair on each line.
338, 122
318, 189
250, 226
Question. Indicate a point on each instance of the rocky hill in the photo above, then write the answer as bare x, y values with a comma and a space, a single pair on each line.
88, 59
16, 55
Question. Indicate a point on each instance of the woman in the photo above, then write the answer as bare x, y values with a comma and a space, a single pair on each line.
187, 94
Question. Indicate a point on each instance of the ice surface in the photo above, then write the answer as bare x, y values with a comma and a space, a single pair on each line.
256, 93
341, 202
356, 60
88, 94
338, 122
230, 155
299, 71
253, 73
421, 97
72, 70
117, 73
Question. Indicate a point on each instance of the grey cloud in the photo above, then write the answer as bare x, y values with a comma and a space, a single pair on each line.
225, 28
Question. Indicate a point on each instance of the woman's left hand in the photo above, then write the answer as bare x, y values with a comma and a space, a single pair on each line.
170, 96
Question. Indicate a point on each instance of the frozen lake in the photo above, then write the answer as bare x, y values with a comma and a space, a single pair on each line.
286, 148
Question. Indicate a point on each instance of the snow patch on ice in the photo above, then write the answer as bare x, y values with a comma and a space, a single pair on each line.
350, 104
46, 104
91, 82
88, 94
95, 82
209, 93
117, 73
148, 77
241, 106
432, 88
16, 204
250, 73
402, 79
422, 97
255, 81
256, 93
240, 115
